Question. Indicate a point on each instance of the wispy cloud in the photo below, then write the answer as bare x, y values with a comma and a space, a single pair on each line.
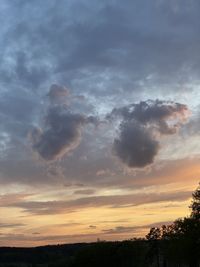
115, 201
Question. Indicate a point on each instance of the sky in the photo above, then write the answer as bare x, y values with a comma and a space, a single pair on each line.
99, 118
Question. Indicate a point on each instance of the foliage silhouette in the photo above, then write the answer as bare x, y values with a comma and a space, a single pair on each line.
179, 242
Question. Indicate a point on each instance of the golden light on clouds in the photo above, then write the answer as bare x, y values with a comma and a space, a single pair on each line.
119, 213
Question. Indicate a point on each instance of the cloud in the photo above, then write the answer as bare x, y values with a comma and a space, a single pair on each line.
44, 238
11, 225
85, 192
106, 60
58, 94
129, 229
135, 145
166, 116
112, 201
130, 47
62, 130
9, 199
39, 238
141, 128
61, 136
92, 226
121, 229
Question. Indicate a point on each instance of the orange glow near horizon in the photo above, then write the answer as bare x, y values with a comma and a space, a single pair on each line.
103, 221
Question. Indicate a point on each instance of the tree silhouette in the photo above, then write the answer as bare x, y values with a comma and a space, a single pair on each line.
195, 206
180, 241
153, 236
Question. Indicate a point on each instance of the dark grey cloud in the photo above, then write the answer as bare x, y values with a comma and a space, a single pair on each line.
58, 94
17, 111
107, 53
62, 130
26, 74
62, 135
17, 170
138, 140
45, 238
135, 145
94, 38
18, 106
166, 116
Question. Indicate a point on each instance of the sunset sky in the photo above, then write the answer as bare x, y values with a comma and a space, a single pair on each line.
99, 118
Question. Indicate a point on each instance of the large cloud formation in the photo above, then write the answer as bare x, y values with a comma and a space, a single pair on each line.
104, 51
62, 130
142, 126
58, 94
135, 146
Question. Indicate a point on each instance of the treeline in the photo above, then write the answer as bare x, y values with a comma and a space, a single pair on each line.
58, 255
99, 254
179, 243
175, 245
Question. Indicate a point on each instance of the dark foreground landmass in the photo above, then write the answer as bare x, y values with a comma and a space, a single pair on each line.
123, 254
54, 255
131, 253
